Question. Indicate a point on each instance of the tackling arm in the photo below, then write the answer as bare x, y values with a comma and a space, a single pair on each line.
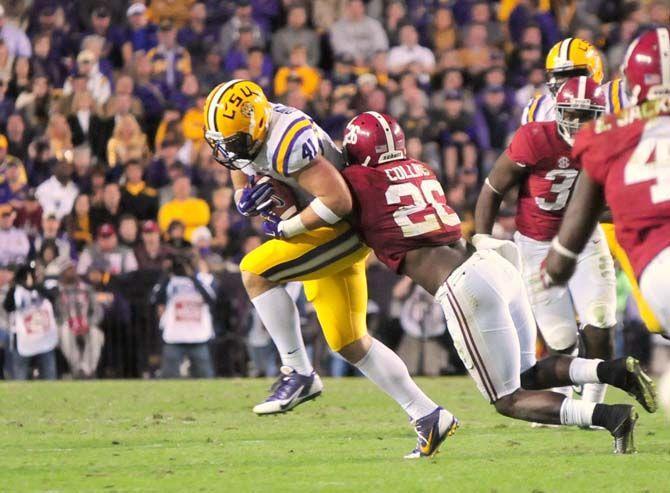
580, 219
332, 198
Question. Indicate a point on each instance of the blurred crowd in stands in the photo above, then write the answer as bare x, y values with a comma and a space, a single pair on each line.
114, 215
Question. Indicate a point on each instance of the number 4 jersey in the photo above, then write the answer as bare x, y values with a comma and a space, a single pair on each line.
398, 207
629, 156
544, 193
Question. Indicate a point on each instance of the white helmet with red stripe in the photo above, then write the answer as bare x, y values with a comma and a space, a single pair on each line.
646, 66
373, 138
578, 100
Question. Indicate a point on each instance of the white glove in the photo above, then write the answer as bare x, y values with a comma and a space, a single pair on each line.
505, 248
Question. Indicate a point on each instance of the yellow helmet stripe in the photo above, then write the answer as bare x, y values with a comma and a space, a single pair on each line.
615, 98
215, 101
281, 154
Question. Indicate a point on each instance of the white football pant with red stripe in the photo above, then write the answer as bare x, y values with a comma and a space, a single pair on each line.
491, 322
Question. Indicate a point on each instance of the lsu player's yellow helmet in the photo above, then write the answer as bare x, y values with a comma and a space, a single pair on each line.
237, 116
572, 57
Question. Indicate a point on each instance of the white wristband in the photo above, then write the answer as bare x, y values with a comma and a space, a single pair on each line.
561, 250
488, 183
292, 227
322, 210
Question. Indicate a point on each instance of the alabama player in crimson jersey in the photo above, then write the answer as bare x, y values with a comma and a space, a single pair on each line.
399, 209
626, 165
539, 160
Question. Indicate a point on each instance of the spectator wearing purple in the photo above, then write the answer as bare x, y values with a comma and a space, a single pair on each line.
149, 93
525, 56
526, 13
295, 33
140, 35
47, 24
185, 97
230, 32
236, 57
15, 38
357, 35
170, 62
196, 36
459, 148
494, 121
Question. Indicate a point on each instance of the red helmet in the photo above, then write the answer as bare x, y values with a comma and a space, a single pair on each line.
373, 138
578, 100
646, 66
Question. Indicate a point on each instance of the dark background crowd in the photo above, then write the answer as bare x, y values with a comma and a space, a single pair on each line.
106, 183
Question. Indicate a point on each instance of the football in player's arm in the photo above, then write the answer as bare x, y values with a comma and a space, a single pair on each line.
401, 213
320, 179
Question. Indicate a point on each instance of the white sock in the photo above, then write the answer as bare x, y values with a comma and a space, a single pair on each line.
578, 413
389, 373
279, 314
584, 370
594, 392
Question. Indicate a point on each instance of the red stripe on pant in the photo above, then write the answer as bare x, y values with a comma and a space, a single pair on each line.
477, 360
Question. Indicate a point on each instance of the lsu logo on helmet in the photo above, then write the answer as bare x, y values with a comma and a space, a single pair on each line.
237, 116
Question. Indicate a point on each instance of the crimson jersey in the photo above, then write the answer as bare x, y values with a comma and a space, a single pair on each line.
398, 207
544, 193
629, 155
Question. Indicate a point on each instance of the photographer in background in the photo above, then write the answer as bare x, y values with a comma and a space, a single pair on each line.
184, 300
78, 316
33, 326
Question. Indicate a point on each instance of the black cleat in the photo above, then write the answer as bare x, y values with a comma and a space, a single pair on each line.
640, 385
623, 429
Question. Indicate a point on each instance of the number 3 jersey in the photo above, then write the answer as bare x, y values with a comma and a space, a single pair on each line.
629, 156
551, 174
398, 207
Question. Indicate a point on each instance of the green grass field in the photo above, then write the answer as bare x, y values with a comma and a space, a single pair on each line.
192, 436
